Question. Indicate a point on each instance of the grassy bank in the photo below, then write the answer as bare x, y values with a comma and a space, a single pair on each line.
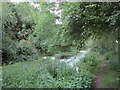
111, 75
47, 73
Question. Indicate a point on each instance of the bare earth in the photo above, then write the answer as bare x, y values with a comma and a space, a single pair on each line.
99, 78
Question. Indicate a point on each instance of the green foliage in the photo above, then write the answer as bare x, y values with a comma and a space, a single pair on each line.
21, 21
90, 62
15, 28
28, 28
9, 52
40, 74
13, 19
44, 30
107, 44
24, 11
111, 74
110, 79
91, 56
80, 80
0, 77
82, 20
112, 70
18, 51
113, 61
29, 33
8, 15
26, 51
60, 69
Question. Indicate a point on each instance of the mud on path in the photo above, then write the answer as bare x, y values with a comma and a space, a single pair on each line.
100, 76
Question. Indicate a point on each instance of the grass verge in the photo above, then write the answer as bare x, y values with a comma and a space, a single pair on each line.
110, 78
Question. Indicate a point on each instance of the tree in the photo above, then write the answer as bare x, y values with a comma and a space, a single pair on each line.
82, 20
13, 24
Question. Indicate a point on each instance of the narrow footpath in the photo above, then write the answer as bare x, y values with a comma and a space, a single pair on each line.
100, 76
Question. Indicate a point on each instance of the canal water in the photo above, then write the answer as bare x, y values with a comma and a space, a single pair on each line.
73, 60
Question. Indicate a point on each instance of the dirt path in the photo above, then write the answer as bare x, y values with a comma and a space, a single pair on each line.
100, 76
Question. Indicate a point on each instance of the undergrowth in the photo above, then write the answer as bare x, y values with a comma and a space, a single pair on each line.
111, 72
48, 73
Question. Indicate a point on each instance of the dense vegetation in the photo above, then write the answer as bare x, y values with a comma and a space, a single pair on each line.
31, 37
48, 74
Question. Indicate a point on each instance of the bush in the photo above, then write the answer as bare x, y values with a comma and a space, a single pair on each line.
79, 80
113, 62
18, 51
90, 63
9, 51
112, 71
58, 70
91, 56
26, 51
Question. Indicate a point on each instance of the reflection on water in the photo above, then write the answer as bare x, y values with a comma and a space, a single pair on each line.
71, 61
